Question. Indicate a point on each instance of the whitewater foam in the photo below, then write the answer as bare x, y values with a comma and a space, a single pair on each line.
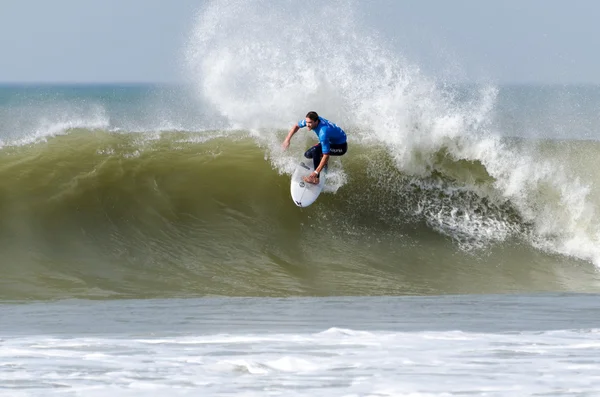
265, 76
39, 124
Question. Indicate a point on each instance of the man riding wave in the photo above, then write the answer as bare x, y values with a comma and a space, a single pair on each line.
332, 142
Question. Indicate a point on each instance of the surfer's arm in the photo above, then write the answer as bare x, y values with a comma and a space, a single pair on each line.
324, 140
288, 138
322, 164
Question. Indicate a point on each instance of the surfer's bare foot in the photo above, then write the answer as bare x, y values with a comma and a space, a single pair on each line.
312, 178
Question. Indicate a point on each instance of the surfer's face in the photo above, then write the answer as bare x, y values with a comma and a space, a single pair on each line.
311, 124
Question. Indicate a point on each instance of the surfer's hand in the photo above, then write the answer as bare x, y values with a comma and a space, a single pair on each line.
312, 178
285, 144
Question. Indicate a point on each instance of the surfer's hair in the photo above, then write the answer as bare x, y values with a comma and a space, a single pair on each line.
313, 116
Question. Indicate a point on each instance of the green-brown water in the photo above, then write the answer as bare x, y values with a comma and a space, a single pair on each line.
106, 215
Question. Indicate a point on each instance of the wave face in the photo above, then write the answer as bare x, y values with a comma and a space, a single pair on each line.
101, 214
161, 190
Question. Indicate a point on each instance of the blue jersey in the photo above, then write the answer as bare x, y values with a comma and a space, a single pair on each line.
327, 132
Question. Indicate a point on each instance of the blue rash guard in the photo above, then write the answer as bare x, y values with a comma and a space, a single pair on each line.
327, 132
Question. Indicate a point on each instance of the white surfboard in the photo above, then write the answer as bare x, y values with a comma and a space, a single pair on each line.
304, 193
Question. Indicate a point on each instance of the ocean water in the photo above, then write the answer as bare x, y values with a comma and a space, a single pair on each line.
149, 244
389, 346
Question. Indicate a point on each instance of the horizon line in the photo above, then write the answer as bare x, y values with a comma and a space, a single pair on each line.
133, 83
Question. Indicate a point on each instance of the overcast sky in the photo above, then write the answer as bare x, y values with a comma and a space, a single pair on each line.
508, 41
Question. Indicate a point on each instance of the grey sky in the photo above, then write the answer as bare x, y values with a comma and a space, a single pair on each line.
551, 41
142, 40
93, 40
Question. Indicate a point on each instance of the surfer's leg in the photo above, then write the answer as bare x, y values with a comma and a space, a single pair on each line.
337, 149
315, 153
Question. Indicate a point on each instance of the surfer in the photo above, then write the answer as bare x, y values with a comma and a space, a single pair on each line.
332, 142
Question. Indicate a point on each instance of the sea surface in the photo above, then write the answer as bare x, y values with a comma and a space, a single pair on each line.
503, 345
149, 244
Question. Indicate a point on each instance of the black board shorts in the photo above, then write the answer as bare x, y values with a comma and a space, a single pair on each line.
316, 152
